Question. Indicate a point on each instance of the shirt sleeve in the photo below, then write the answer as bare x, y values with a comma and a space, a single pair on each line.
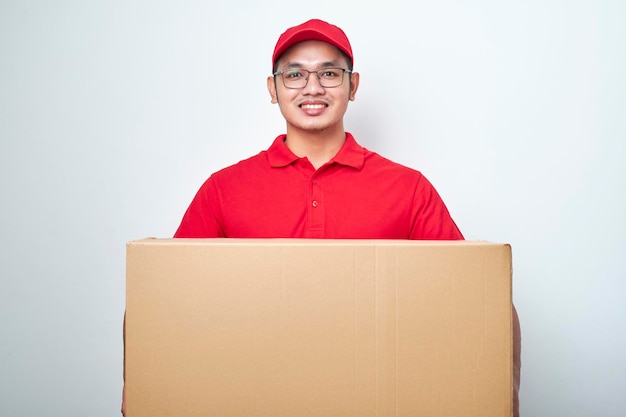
431, 218
202, 218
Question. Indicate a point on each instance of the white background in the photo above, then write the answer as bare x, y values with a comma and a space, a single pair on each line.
112, 113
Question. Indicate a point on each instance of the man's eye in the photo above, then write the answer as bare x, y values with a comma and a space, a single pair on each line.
330, 73
293, 74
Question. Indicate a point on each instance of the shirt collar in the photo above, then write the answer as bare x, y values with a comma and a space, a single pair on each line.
351, 153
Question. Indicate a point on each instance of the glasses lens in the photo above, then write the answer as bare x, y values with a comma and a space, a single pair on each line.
330, 77
295, 78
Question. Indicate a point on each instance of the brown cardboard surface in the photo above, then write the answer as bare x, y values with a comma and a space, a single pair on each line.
295, 327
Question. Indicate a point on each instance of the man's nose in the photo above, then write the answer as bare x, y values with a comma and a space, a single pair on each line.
313, 84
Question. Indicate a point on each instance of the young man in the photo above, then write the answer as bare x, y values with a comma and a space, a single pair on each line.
316, 181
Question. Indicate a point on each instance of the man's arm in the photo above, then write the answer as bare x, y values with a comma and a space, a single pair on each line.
517, 361
202, 218
124, 367
431, 219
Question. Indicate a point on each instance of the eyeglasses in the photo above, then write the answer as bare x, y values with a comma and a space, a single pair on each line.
298, 78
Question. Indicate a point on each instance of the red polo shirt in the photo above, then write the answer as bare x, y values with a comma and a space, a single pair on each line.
356, 195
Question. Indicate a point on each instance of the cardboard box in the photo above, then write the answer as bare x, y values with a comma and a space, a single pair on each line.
296, 327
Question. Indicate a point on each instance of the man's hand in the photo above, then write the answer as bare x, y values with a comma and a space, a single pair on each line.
124, 365
124, 400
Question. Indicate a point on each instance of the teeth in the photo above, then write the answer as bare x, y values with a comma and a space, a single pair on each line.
313, 106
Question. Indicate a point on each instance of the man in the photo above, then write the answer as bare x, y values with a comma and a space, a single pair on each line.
315, 181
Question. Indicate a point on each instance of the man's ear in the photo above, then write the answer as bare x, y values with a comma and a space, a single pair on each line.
354, 85
271, 87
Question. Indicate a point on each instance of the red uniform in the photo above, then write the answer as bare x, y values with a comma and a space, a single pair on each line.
357, 195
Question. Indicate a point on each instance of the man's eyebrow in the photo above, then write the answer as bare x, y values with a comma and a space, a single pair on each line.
327, 64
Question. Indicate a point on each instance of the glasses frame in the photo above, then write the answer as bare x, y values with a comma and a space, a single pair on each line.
316, 72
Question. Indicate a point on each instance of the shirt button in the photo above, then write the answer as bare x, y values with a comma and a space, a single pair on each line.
314, 203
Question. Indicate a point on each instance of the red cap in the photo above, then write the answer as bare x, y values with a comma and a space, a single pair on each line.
313, 30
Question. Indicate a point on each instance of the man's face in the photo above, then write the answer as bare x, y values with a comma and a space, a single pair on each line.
313, 108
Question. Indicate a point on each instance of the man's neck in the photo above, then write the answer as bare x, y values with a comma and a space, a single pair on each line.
317, 147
